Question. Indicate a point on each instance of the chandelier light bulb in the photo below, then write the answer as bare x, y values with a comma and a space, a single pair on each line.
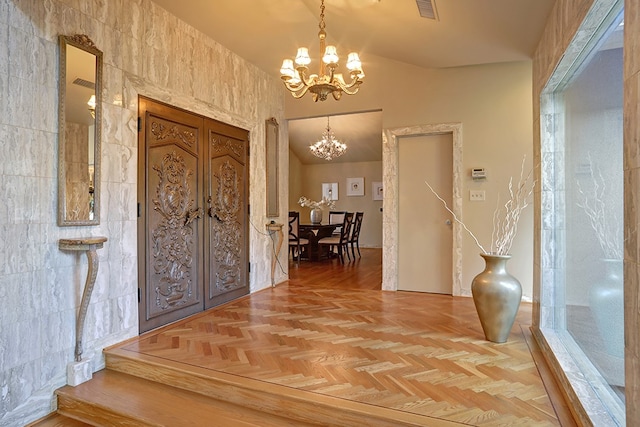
302, 58
353, 62
330, 55
287, 68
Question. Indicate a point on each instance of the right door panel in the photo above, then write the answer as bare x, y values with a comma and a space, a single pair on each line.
227, 219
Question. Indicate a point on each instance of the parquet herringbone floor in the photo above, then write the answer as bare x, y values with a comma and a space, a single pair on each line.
418, 353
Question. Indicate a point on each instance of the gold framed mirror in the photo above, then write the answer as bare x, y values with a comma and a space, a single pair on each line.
272, 130
79, 124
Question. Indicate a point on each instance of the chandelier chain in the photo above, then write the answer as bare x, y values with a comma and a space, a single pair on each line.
322, 24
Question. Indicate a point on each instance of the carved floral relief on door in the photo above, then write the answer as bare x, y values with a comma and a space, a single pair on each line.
225, 208
173, 248
228, 238
173, 236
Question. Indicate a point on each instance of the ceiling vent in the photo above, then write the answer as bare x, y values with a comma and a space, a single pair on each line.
427, 9
85, 83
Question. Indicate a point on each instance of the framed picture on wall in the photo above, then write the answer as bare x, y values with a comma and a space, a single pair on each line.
355, 186
330, 190
376, 190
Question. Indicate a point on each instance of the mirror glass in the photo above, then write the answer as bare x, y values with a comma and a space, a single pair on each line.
272, 130
79, 119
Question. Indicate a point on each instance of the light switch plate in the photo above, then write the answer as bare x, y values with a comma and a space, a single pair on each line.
476, 195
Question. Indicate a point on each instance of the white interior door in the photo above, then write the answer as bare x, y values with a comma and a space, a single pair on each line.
425, 240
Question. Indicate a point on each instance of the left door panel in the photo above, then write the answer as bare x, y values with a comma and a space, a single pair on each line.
170, 228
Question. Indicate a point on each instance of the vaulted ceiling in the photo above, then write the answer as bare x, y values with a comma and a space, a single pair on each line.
466, 32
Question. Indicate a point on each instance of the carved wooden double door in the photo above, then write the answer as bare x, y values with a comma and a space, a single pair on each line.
193, 201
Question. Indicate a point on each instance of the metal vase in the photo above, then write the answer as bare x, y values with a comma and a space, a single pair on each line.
496, 295
606, 300
316, 216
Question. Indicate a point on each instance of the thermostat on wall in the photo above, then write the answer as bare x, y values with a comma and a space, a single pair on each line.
478, 173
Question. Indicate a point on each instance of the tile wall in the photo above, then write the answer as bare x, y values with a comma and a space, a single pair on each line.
146, 52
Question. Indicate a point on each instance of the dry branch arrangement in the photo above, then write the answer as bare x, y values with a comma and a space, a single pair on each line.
505, 217
308, 203
602, 217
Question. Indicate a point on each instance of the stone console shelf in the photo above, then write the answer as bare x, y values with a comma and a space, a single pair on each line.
275, 228
79, 371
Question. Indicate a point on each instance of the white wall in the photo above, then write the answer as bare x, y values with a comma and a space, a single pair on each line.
494, 105
147, 52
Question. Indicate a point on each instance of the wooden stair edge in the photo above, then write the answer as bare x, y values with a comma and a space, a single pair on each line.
288, 402
56, 419
88, 411
557, 396
114, 398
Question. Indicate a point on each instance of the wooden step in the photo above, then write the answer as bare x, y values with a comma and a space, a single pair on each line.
299, 406
57, 420
112, 398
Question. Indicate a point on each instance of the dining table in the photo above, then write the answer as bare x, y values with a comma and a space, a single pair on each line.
313, 233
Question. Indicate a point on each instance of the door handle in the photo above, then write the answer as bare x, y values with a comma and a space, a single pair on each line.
192, 215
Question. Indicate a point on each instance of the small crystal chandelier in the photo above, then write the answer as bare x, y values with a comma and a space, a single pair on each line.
92, 106
299, 82
328, 147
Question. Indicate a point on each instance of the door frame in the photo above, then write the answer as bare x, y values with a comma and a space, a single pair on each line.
390, 228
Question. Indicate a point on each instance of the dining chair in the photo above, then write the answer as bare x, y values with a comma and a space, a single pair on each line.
296, 243
340, 242
354, 238
336, 217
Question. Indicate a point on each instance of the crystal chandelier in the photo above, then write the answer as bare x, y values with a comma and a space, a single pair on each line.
92, 106
299, 82
328, 147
